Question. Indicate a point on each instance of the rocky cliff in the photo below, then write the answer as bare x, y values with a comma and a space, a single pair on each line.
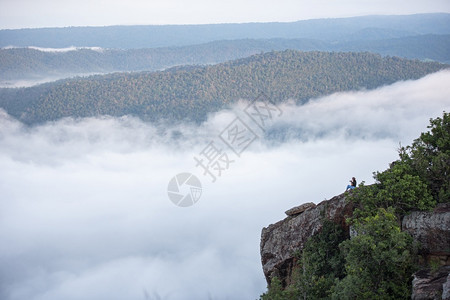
280, 242
432, 231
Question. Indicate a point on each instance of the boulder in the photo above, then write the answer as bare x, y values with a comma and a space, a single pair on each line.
299, 209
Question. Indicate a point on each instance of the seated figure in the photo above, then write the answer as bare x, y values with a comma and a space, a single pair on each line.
352, 184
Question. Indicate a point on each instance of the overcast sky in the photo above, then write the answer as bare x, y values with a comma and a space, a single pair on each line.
60, 13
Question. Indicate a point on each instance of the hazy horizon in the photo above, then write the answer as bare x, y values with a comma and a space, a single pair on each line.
225, 23
15, 14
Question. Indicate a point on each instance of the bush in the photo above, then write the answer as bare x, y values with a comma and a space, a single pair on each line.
397, 187
429, 156
321, 262
275, 291
378, 260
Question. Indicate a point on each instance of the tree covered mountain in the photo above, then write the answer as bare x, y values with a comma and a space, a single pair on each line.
193, 92
32, 63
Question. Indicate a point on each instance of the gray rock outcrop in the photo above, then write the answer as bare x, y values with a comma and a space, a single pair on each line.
431, 230
431, 285
299, 209
280, 241
446, 289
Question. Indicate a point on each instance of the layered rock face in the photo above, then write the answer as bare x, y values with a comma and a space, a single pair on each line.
432, 231
431, 285
280, 241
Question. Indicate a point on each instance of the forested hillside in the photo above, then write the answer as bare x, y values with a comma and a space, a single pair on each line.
192, 92
30, 63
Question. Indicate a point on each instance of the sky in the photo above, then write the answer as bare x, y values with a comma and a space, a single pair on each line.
62, 13
85, 211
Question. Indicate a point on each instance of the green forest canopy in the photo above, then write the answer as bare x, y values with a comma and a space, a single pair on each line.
192, 92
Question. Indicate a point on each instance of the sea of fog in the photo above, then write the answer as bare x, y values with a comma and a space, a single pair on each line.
85, 211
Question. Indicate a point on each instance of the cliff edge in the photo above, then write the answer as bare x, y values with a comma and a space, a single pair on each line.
280, 241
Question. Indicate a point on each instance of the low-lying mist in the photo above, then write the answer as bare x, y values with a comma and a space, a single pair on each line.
85, 214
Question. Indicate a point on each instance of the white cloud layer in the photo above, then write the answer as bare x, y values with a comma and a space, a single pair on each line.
58, 50
84, 211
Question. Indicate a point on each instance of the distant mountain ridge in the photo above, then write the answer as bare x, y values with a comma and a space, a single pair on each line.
31, 63
193, 92
152, 36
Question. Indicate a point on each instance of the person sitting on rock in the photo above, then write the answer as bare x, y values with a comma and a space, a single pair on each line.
352, 184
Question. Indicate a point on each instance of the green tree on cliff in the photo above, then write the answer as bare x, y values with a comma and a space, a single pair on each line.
378, 260
321, 262
429, 156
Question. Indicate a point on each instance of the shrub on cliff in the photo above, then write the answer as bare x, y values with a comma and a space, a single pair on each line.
378, 260
397, 187
321, 262
429, 156
418, 180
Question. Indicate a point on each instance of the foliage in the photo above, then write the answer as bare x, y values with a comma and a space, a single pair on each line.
429, 157
397, 187
378, 260
275, 291
418, 180
321, 262
193, 92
